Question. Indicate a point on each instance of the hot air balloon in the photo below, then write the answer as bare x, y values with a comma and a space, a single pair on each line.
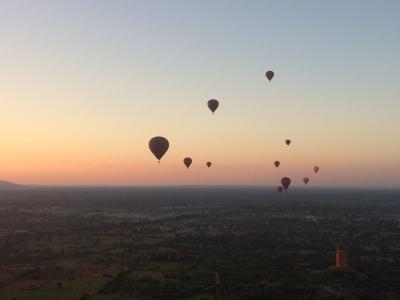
158, 146
269, 75
213, 105
208, 164
277, 163
280, 189
285, 181
187, 161
306, 180
288, 142
316, 169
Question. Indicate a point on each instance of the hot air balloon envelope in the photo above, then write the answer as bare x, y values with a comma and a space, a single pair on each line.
208, 164
277, 163
187, 161
316, 169
213, 105
288, 142
285, 181
280, 189
158, 146
306, 180
269, 75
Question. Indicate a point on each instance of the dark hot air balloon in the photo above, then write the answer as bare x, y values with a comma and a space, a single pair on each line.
187, 161
277, 163
269, 75
280, 189
285, 181
158, 146
316, 169
213, 105
288, 142
208, 164
306, 180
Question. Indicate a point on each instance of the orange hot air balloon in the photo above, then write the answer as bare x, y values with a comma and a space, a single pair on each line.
288, 142
158, 146
213, 105
187, 161
306, 180
285, 181
280, 189
316, 169
269, 75
208, 164
277, 163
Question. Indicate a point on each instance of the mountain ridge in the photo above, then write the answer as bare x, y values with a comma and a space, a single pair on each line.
4, 184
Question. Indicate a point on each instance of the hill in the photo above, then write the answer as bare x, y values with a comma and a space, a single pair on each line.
8, 185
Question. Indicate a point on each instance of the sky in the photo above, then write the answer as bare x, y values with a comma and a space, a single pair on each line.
84, 85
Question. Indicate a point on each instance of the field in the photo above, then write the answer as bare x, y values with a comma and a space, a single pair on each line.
198, 243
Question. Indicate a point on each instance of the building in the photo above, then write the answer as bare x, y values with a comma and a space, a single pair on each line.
341, 258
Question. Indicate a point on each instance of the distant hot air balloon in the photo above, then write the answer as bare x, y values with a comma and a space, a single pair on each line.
187, 161
158, 146
213, 105
208, 164
306, 180
285, 181
288, 142
280, 189
316, 169
277, 163
269, 75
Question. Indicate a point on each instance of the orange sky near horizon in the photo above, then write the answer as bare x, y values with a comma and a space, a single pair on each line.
237, 161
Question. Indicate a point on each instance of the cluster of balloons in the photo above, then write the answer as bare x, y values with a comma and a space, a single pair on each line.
159, 145
286, 181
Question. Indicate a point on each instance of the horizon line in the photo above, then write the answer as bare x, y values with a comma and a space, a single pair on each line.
298, 187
